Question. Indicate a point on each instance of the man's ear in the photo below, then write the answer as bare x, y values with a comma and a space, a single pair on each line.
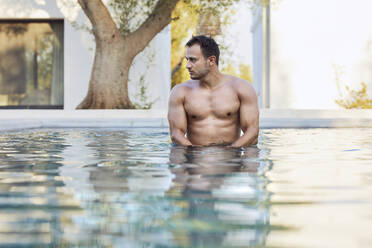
212, 60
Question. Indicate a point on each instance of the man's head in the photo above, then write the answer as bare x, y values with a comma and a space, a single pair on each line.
202, 54
207, 45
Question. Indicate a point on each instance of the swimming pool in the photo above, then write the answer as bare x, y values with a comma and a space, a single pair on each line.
132, 188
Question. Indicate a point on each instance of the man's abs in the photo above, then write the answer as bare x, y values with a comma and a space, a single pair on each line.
213, 132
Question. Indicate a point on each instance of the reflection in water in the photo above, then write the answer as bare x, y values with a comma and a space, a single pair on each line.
224, 194
31, 204
129, 188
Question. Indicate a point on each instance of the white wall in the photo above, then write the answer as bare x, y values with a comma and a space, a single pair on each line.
307, 39
79, 51
258, 30
154, 64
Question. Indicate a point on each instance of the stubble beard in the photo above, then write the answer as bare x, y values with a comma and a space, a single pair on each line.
201, 74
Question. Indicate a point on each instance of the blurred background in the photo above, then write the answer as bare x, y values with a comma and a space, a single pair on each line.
298, 54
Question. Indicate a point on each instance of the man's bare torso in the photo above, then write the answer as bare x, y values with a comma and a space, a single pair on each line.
213, 108
212, 114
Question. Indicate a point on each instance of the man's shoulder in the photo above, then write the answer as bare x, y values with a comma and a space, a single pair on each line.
241, 86
188, 84
181, 89
238, 83
235, 81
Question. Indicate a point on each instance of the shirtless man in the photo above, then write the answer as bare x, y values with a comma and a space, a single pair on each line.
212, 108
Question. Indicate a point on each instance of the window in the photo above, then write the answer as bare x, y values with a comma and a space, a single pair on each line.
31, 64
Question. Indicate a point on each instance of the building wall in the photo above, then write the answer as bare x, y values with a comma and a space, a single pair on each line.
310, 42
153, 63
261, 58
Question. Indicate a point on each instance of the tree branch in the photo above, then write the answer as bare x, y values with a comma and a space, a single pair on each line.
100, 18
157, 20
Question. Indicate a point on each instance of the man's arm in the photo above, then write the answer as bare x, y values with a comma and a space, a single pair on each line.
177, 117
249, 115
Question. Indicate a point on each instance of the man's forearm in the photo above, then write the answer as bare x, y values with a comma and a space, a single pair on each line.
180, 139
249, 138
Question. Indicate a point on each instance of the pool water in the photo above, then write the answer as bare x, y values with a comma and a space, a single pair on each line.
132, 188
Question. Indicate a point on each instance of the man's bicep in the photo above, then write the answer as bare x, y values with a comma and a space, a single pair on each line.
177, 118
249, 117
249, 113
177, 114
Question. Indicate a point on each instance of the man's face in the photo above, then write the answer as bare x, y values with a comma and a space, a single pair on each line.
196, 63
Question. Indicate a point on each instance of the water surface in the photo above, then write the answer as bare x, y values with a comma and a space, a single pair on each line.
132, 188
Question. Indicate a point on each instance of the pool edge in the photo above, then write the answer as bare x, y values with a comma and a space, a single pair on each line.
269, 118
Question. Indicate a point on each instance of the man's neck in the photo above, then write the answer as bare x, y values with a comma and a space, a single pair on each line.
212, 79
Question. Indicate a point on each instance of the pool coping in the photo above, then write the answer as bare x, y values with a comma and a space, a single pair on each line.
269, 118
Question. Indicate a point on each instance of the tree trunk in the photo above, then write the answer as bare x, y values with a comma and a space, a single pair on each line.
108, 85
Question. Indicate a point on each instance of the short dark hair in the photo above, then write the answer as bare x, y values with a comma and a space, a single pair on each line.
207, 45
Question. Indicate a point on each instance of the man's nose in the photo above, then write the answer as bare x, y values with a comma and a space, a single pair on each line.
188, 65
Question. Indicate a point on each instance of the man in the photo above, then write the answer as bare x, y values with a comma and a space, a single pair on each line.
212, 108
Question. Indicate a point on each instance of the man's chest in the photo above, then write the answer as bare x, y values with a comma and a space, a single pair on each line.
220, 104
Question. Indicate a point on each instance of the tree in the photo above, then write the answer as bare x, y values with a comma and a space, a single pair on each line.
120, 38
116, 49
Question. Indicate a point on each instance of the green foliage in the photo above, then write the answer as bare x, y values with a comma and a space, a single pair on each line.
356, 99
243, 71
141, 99
183, 25
246, 72
129, 14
